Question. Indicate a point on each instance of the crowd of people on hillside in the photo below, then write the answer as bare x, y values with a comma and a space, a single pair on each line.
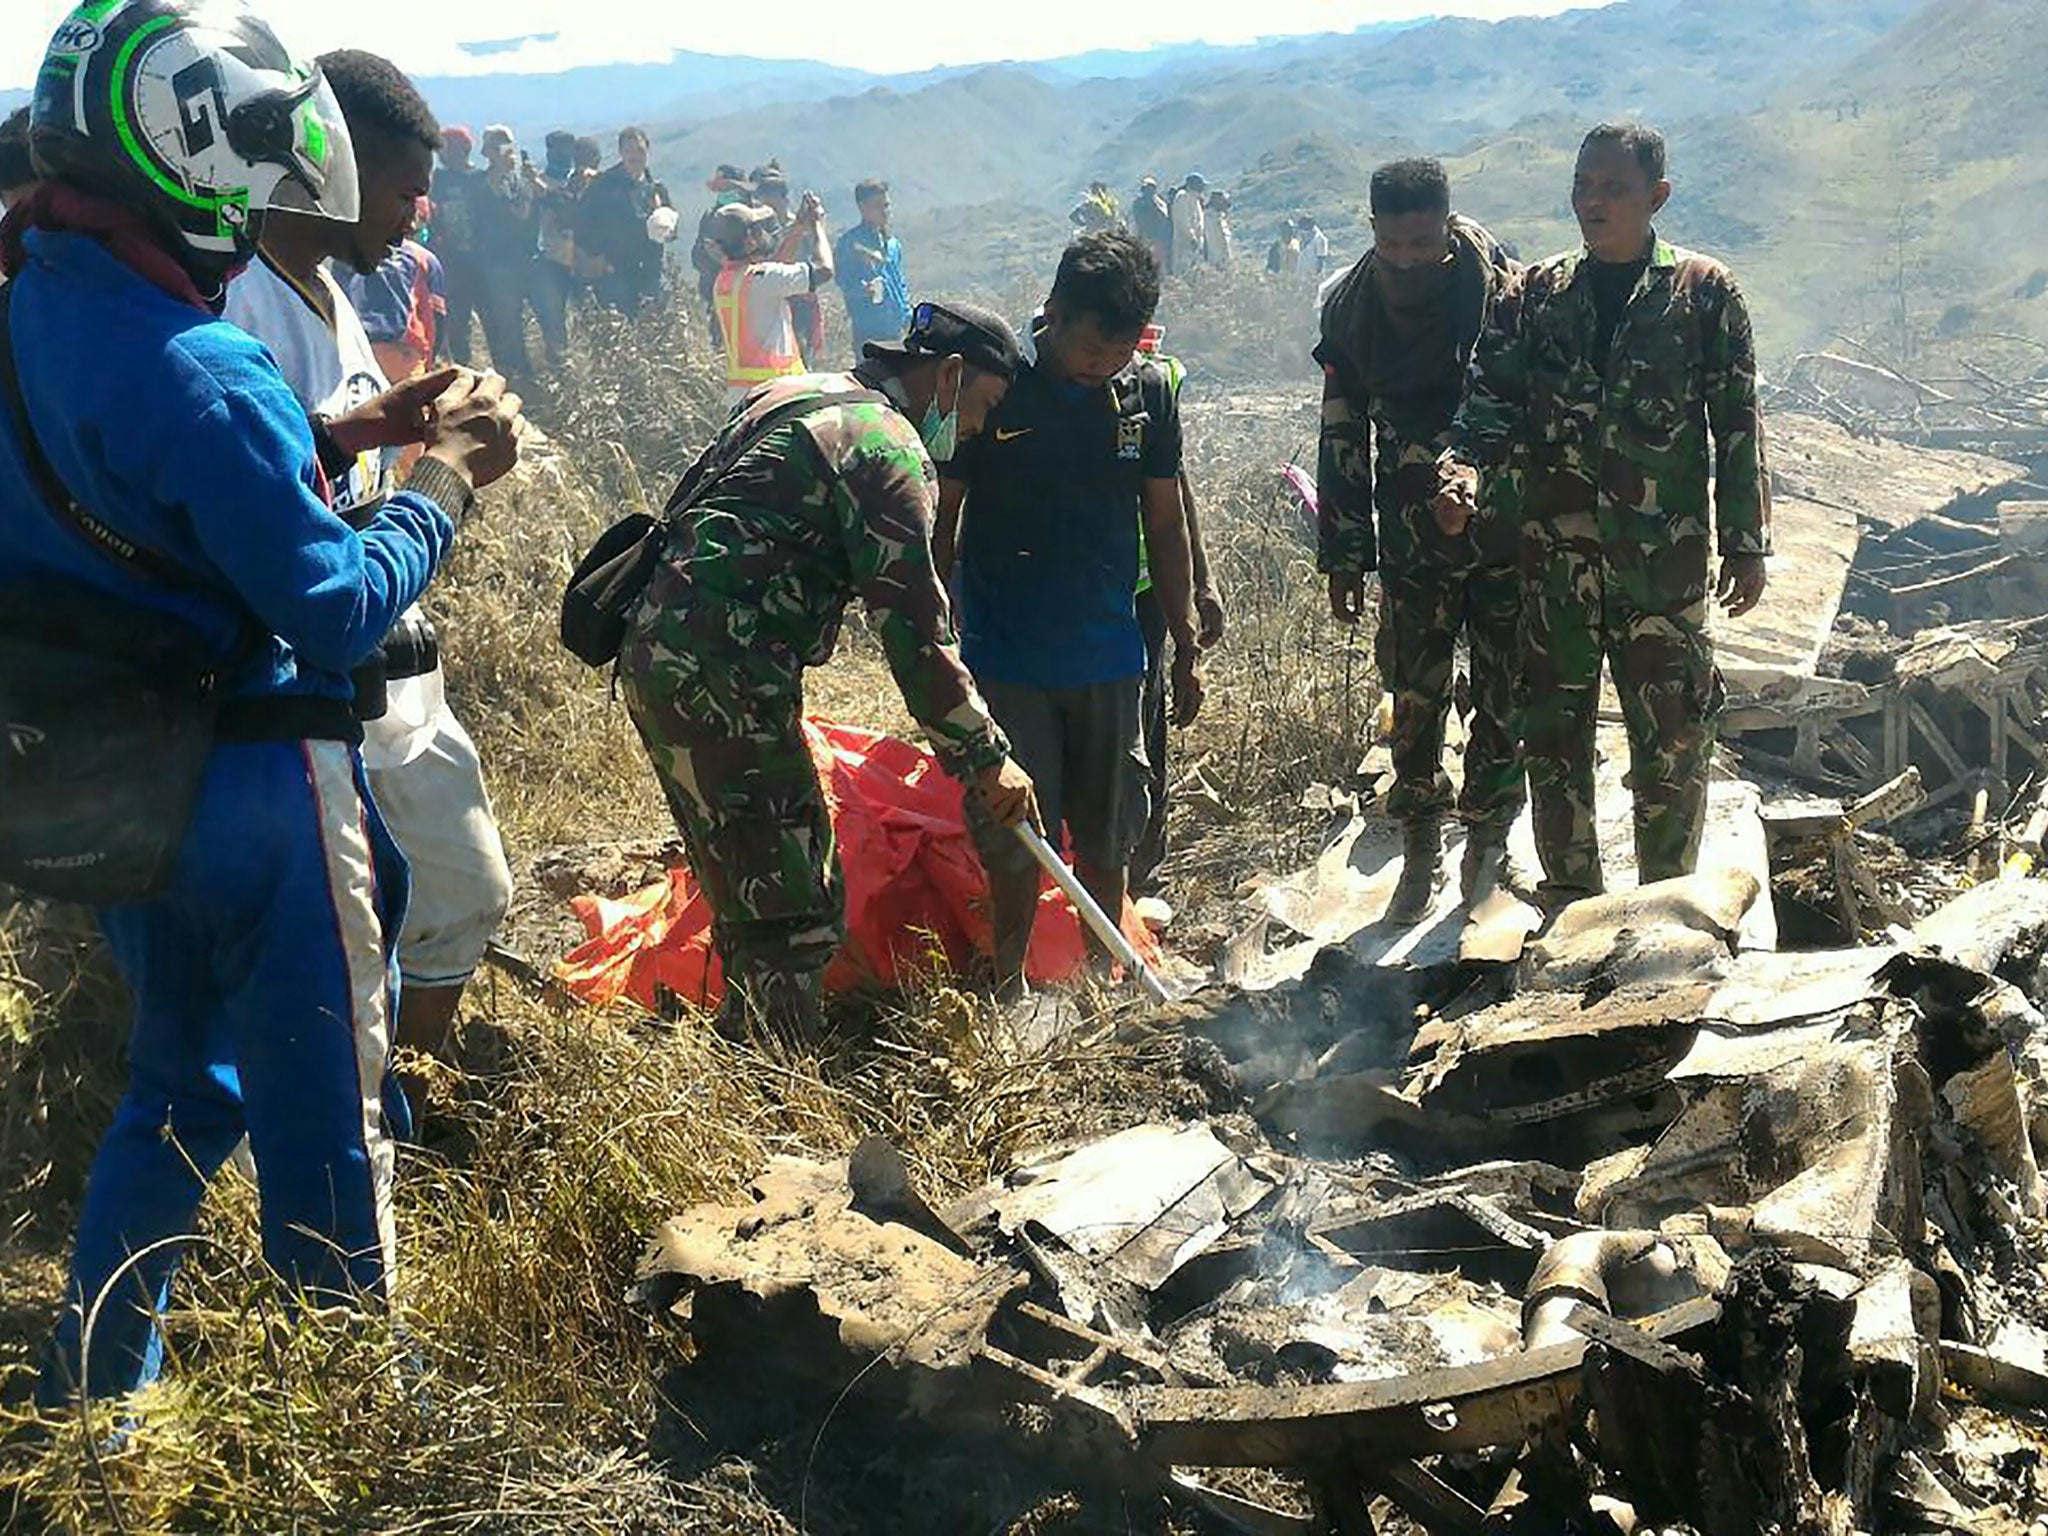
511, 237
1186, 227
1299, 249
503, 238
1189, 226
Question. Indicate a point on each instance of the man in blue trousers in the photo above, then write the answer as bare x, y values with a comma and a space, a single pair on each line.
261, 973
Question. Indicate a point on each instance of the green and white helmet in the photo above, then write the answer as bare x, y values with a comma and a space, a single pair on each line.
193, 112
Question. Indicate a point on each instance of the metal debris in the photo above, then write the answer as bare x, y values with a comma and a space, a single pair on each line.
1141, 1203
1646, 1225
833, 1283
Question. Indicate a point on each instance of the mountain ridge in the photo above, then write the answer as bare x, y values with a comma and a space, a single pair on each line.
1868, 166
1441, 85
694, 87
1881, 179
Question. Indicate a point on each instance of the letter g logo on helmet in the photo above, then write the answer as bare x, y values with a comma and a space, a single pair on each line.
199, 83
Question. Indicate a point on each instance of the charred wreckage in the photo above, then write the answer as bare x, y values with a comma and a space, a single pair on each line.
1716, 1206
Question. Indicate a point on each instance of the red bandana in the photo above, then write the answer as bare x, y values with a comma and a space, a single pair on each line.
65, 209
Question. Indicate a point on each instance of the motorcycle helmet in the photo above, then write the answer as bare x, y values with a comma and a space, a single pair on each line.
195, 114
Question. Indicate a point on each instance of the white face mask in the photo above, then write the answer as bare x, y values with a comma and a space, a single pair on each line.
941, 431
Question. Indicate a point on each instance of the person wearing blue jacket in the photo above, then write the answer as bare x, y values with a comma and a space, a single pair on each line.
262, 973
869, 265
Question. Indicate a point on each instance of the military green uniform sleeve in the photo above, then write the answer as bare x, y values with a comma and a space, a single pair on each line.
884, 492
1742, 494
1496, 401
1345, 538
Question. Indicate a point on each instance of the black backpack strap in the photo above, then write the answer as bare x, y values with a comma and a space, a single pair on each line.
1128, 391
116, 546
725, 455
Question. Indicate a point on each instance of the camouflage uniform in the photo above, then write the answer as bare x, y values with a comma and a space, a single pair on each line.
1432, 585
1615, 553
753, 589
1155, 703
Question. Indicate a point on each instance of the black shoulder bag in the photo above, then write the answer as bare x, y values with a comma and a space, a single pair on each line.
107, 709
610, 579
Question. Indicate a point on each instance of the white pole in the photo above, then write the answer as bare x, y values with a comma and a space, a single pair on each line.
1092, 914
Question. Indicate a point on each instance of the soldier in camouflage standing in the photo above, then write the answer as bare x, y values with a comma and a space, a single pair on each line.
1398, 333
1612, 367
752, 590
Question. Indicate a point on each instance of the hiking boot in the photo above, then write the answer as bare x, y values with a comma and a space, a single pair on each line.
1422, 859
1485, 868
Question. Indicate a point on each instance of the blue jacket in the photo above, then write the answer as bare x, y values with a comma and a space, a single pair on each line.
865, 253
177, 430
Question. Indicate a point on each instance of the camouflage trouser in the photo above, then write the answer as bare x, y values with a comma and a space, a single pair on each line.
1422, 610
746, 796
1579, 605
1432, 587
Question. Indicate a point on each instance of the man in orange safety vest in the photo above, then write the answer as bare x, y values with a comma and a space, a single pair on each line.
752, 294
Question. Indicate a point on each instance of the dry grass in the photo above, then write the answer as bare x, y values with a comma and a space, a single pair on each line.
563, 760
517, 1391
1244, 327
63, 1020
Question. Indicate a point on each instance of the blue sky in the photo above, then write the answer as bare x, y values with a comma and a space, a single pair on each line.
427, 36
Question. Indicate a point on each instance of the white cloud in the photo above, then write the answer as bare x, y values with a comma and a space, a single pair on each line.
426, 35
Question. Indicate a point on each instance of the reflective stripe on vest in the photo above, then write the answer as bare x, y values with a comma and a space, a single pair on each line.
749, 359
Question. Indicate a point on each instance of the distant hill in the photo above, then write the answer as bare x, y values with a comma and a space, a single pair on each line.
1130, 64
604, 98
1906, 196
1457, 79
1870, 167
1894, 197
1446, 85
993, 133
696, 87
1230, 128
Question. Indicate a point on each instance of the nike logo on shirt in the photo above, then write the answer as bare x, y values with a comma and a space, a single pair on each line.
1011, 434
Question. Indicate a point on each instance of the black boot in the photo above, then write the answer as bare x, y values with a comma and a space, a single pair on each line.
1485, 868
1422, 859
762, 1004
